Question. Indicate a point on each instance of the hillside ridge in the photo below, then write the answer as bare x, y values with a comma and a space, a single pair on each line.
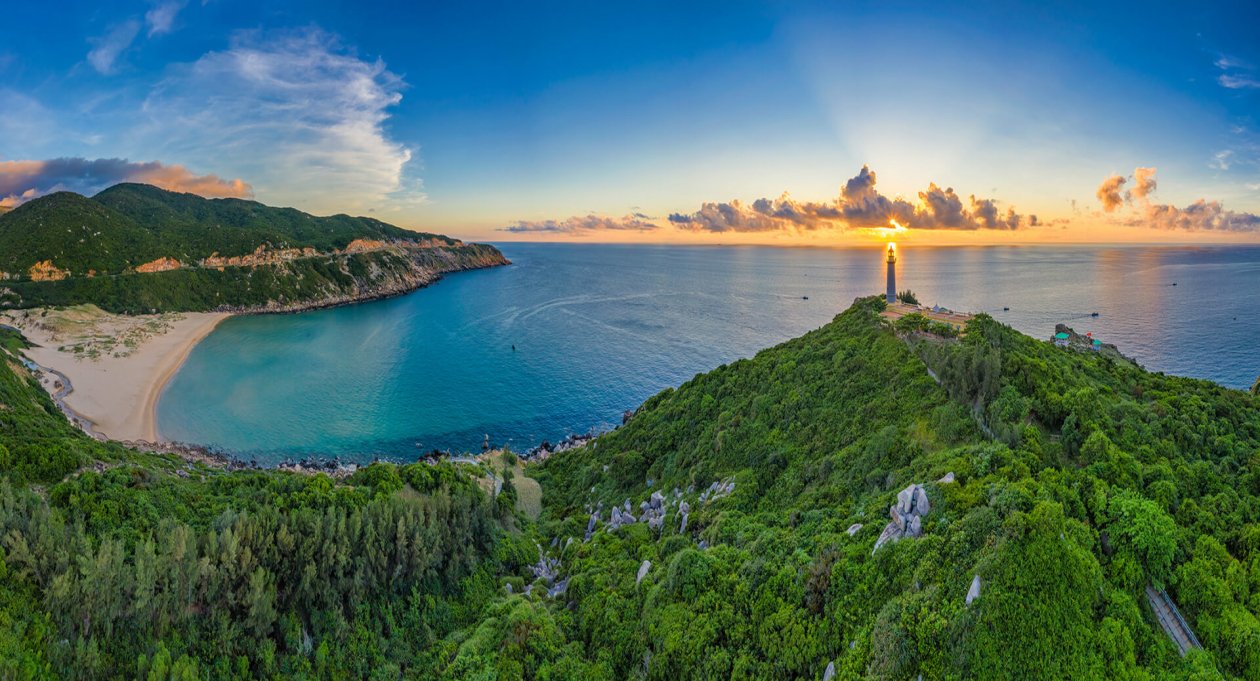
137, 248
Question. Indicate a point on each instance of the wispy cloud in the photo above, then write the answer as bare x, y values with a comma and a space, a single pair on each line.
297, 111
21, 181
1237, 74
579, 225
106, 49
1238, 82
161, 17
1200, 216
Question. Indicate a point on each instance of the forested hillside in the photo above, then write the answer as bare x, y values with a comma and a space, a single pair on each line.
136, 248
728, 530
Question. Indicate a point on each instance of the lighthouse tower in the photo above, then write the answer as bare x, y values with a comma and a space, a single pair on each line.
892, 274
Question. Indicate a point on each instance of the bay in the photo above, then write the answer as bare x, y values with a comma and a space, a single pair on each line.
597, 329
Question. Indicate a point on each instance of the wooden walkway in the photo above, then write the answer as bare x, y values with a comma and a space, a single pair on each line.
1171, 620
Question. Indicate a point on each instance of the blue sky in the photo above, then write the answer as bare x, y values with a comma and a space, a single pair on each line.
600, 121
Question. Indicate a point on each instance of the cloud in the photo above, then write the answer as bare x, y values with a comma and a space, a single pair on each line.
1109, 193
1238, 82
1144, 182
105, 51
1221, 160
161, 17
22, 181
296, 111
580, 225
1200, 216
1238, 74
860, 205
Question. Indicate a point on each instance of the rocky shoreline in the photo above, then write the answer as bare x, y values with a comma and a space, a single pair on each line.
419, 277
334, 466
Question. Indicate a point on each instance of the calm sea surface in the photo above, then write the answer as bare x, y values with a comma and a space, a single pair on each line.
599, 328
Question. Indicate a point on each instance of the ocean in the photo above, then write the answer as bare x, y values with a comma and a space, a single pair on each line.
571, 335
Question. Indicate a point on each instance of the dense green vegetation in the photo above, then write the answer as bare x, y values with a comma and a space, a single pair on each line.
307, 281
1078, 481
907, 296
127, 225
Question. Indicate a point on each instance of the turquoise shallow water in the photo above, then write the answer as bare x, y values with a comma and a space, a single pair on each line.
599, 328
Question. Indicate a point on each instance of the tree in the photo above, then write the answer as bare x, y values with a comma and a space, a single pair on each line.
907, 296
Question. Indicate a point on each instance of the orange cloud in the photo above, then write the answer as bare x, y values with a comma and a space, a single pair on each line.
21, 181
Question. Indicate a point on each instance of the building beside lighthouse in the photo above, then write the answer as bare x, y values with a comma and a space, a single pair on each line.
896, 309
892, 274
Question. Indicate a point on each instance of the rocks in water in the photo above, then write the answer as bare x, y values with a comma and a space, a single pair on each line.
907, 516
830, 672
974, 592
854, 528
643, 570
949, 477
546, 448
625, 416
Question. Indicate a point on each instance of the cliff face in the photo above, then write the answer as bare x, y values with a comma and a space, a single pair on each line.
274, 282
389, 272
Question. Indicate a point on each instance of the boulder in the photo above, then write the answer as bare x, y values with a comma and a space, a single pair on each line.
830, 672
590, 526
643, 570
854, 528
949, 477
921, 504
974, 592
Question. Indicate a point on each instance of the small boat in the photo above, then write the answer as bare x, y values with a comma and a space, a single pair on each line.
1174, 283
804, 297
1006, 309
1093, 314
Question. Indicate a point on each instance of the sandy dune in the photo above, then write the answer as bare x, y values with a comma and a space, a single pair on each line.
116, 364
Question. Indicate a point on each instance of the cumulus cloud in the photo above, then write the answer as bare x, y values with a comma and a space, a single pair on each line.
161, 17
297, 112
860, 205
21, 181
584, 224
106, 49
1109, 193
1143, 182
1200, 216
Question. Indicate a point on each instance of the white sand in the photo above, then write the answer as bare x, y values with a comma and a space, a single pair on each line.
121, 363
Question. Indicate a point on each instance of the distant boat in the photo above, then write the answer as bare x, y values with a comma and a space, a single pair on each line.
1093, 314
804, 297
1174, 283
1006, 309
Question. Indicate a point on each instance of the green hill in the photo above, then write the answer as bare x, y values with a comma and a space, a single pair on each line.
134, 248
1077, 482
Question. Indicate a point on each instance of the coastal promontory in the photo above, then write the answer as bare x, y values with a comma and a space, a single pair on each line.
135, 248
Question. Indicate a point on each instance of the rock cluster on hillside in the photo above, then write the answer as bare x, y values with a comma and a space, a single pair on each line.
907, 516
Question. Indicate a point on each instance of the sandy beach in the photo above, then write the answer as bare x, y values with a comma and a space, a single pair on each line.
117, 365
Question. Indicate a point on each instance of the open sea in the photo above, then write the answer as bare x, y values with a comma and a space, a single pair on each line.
598, 329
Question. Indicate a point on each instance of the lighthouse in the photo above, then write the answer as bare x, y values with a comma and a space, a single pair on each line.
892, 274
